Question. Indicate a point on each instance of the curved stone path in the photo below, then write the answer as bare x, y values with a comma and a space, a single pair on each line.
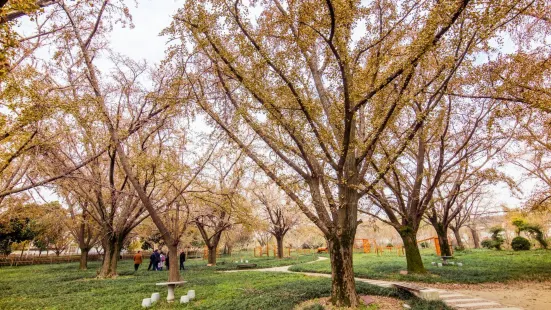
454, 300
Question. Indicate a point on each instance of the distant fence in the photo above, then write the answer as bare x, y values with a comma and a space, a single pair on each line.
16, 260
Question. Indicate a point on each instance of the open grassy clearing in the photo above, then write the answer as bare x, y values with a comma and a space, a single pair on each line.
63, 287
479, 266
228, 263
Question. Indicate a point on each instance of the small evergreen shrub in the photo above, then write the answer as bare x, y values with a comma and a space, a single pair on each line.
459, 248
497, 237
486, 243
520, 244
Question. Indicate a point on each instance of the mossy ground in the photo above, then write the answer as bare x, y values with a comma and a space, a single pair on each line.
62, 286
479, 266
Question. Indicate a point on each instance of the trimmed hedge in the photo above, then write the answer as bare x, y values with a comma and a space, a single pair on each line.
520, 244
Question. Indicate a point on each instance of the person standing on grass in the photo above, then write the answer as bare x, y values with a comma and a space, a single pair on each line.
152, 262
157, 260
167, 263
182, 260
137, 260
161, 261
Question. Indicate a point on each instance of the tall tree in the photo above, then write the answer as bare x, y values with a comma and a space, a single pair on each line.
221, 204
321, 86
83, 41
278, 212
84, 230
475, 206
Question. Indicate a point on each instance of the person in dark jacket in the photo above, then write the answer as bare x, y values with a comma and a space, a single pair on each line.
152, 262
157, 260
167, 261
182, 260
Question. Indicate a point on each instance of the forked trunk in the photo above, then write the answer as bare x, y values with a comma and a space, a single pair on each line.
112, 249
212, 255
343, 285
83, 259
413, 256
173, 270
457, 235
279, 240
476, 239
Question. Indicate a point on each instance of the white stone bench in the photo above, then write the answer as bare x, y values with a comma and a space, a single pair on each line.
171, 286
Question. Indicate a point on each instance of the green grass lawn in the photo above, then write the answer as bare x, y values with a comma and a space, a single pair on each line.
62, 286
478, 266
229, 263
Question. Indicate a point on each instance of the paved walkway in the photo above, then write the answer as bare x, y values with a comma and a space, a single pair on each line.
454, 300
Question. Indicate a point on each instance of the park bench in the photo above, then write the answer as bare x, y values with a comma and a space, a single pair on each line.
171, 286
323, 250
419, 291
246, 266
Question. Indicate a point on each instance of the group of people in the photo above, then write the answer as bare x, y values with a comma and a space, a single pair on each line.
157, 261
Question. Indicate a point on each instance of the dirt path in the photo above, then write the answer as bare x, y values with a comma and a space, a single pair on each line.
277, 269
527, 295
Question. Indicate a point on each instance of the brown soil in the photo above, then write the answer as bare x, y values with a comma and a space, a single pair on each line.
381, 302
527, 295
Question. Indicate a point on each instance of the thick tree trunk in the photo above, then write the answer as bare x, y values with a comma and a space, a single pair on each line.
211, 255
111, 253
83, 259
343, 285
413, 256
442, 233
476, 239
173, 268
457, 235
279, 240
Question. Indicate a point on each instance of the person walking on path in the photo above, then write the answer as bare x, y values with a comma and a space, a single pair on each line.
182, 260
137, 260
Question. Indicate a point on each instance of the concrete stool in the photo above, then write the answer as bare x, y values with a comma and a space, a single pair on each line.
171, 286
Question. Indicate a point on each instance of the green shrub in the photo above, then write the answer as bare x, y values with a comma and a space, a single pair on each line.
486, 243
497, 237
520, 244
459, 248
537, 232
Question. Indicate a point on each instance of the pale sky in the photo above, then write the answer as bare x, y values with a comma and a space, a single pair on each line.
150, 17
